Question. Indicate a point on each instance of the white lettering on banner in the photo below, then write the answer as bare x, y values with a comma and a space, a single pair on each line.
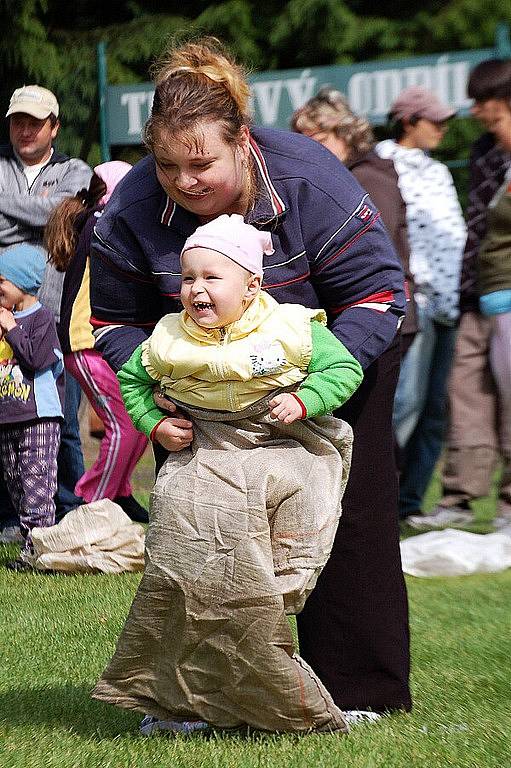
386, 86
460, 72
442, 79
372, 93
267, 96
301, 88
134, 101
419, 76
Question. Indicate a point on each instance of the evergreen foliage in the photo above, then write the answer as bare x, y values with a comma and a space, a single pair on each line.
53, 42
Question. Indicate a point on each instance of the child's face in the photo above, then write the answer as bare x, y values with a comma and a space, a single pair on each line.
215, 291
10, 295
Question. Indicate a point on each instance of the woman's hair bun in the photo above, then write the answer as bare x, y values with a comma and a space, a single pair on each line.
206, 58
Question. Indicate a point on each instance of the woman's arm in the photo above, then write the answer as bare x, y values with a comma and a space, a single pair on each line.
354, 267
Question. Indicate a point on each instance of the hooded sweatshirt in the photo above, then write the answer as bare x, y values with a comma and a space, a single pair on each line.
436, 229
25, 209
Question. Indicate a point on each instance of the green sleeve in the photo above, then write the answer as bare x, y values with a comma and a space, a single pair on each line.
137, 392
333, 374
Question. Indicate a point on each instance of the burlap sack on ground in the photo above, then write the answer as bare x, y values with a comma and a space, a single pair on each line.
93, 538
241, 526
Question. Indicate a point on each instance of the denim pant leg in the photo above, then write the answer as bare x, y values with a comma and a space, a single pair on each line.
70, 457
412, 385
423, 450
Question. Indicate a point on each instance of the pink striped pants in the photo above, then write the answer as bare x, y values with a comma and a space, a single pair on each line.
122, 445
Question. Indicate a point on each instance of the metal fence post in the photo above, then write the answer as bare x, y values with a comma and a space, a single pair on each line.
502, 41
102, 84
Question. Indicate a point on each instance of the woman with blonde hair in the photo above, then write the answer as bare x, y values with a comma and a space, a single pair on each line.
328, 118
330, 251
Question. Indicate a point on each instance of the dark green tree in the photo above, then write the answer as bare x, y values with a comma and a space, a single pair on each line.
53, 42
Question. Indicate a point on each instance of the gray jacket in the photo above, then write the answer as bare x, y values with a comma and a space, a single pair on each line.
24, 210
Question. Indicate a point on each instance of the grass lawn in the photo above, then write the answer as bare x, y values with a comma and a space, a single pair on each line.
57, 633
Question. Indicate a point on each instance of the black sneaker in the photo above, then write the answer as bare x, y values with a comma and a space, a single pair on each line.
133, 509
19, 565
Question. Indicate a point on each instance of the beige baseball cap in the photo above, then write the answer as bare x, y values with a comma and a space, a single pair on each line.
33, 100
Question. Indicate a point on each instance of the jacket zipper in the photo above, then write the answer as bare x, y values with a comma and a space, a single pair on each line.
228, 387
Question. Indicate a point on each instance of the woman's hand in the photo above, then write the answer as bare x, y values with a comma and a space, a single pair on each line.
174, 434
285, 408
164, 403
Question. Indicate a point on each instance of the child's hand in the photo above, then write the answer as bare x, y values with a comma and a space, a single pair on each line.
7, 321
174, 434
285, 408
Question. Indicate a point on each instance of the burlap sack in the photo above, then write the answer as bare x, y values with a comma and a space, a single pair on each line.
241, 525
93, 538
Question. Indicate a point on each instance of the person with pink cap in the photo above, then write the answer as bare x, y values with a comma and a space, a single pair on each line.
251, 379
437, 233
67, 239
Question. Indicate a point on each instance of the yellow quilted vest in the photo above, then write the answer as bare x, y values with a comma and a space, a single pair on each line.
231, 368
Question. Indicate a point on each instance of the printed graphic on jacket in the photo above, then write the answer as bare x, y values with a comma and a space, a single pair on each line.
12, 385
267, 357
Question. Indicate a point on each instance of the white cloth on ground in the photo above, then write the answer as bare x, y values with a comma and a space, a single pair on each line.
455, 553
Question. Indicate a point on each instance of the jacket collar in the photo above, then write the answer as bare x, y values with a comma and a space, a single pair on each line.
413, 158
262, 306
57, 157
267, 212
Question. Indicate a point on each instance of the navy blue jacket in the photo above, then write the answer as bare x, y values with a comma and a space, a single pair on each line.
331, 249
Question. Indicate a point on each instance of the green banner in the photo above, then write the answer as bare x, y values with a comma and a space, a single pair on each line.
370, 87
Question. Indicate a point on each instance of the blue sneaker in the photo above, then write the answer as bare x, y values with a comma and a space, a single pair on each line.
150, 725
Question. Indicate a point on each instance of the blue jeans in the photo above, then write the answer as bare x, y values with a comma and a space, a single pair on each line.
420, 409
70, 458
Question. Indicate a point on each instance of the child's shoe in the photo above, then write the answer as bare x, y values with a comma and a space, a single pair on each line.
11, 534
132, 508
360, 716
150, 725
22, 564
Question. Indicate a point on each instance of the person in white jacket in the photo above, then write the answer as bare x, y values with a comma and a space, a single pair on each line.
437, 234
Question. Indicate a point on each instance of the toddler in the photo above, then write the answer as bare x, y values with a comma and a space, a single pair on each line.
245, 508
31, 393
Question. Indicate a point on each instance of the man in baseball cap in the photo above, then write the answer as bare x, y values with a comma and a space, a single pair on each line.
33, 100
33, 125
417, 101
34, 179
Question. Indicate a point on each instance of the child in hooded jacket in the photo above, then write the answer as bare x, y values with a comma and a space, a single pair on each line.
31, 393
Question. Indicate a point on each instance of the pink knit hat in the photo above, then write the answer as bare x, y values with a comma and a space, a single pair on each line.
240, 242
111, 173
